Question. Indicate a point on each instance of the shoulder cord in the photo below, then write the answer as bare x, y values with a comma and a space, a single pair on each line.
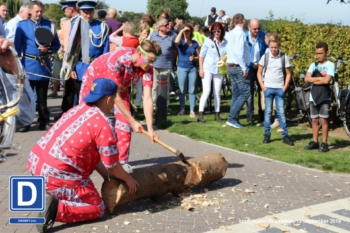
99, 36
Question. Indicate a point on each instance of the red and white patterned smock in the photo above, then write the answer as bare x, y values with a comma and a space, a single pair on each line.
117, 66
66, 156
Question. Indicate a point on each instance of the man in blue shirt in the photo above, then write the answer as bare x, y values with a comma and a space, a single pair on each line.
164, 63
238, 58
35, 57
257, 46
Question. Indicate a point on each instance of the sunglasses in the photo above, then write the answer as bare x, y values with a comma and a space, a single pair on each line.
87, 11
216, 31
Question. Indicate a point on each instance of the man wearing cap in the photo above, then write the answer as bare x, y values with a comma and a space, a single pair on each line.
35, 56
93, 43
80, 142
211, 18
69, 9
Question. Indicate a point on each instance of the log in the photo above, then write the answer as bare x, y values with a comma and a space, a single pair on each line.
157, 181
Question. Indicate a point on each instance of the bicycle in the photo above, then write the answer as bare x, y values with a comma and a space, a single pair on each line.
8, 109
343, 114
294, 110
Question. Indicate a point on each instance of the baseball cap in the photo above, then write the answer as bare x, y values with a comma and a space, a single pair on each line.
213, 9
99, 88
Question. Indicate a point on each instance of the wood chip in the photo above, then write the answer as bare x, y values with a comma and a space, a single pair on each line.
307, 174
297, 224
266, 206
243, 201
264, 225
339, 190
327, 195
308, 216
205, 203
225, 228
255, 184
316, 176
261, 175
286, 231
279, 187
106, 227
249, 191
126, 223
231, 218
274, 218
187, 206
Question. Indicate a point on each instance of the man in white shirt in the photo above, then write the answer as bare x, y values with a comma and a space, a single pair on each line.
238, 58
10, 29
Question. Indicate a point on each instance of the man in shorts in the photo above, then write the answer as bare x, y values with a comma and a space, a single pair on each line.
320, 75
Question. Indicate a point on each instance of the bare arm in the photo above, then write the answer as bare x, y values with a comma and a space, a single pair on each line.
260, 79
318, 80
148, 111
118, 172
178, 37
288, 77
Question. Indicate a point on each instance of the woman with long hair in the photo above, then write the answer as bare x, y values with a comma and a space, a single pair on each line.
212, 51
186, 67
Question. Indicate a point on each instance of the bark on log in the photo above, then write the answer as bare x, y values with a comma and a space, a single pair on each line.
157, 181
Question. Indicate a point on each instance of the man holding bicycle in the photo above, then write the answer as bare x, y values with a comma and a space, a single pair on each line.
320, 75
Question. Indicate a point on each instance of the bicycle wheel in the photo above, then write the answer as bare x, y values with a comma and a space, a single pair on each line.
226, 86
291, 111
346, 123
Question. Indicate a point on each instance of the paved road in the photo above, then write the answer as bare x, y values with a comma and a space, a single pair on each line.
275, 189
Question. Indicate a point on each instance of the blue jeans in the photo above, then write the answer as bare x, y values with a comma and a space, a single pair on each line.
187, 80
277, 94
240, 92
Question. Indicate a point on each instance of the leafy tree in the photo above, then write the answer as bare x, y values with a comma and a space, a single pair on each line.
53, 12
341, 1
101, 4
13, 7
175, 7
199, 20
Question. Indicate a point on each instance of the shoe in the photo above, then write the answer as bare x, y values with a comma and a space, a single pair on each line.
260, 124
275, 124
266, 138
200, 117
312, 145
49, 214
127, 168
24, 129
324, 147
250, 119
52, 95
234, 125
181, 113
42, 125
217, 117
192, 114
287, 140
279, 130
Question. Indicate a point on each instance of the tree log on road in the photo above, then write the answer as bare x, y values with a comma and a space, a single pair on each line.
157, 181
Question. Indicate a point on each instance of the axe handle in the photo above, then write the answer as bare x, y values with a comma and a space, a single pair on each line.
160, 142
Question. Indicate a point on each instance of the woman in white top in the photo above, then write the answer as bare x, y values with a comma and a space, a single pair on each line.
212, 51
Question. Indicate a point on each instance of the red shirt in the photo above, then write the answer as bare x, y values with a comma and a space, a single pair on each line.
117, 66
69, 152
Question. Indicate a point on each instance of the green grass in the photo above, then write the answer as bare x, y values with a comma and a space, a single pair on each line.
249, 139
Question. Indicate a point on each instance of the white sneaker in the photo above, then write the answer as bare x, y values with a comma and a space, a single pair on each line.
127, 168
275, 124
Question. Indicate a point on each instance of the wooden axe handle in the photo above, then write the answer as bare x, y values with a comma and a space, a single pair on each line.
160, 142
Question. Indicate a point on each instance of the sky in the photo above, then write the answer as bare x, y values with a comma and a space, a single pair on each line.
308, 11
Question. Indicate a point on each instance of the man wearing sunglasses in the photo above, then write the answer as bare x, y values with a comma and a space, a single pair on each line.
89, 39
257, 46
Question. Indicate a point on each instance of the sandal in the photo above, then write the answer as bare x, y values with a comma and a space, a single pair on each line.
192, 114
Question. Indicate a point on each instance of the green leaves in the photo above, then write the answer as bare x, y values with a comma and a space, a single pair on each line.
175, 7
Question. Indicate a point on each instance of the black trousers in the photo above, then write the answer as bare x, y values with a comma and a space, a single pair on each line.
41, 87
253, 77
72, 90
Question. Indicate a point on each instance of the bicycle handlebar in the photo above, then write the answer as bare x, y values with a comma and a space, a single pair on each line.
340, 59
294, 56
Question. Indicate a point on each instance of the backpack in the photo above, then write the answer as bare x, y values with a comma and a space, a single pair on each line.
283, 61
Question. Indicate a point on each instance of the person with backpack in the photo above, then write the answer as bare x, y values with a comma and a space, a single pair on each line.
274, 76
320, 75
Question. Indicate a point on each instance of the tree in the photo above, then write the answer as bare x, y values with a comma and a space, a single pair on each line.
53, 12
175, 7
101, 4
13, 7
341, 1
199, 20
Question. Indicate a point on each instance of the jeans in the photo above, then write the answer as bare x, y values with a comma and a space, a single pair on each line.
252, 75
277, 94
240, 92
187, 80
